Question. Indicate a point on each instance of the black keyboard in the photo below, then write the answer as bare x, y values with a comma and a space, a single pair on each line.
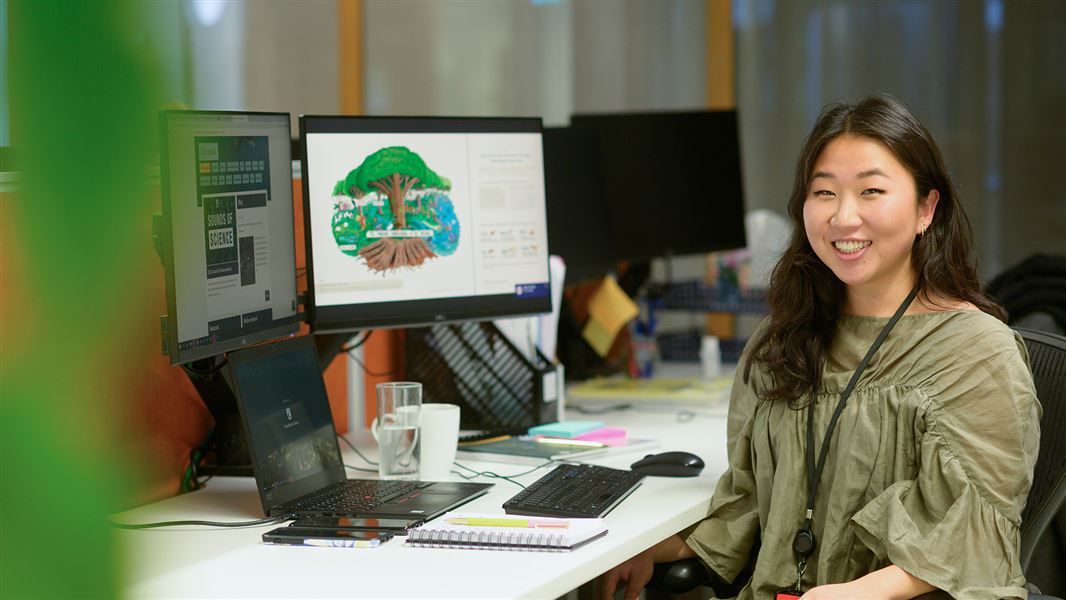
357, 495
574, 491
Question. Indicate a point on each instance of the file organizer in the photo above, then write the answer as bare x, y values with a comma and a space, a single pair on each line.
477, 367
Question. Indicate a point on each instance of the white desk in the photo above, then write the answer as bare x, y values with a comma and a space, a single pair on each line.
199, 562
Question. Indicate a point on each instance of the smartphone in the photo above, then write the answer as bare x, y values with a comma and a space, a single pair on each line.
347, 538
397, 526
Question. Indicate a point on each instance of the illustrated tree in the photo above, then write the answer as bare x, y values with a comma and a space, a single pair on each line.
393, 172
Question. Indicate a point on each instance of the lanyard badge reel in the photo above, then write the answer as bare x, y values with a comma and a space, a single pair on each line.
804, 542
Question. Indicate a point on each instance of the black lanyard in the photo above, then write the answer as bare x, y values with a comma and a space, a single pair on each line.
803, 544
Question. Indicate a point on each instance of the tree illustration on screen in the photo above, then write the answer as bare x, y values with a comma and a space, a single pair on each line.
416, 223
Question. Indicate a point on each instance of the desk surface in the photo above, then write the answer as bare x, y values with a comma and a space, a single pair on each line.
192, 562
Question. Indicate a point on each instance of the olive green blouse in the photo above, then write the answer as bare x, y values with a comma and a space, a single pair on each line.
928, 468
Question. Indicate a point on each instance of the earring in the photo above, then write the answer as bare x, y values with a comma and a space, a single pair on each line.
921, 234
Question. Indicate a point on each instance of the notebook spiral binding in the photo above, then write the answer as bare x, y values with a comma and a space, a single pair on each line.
517, 540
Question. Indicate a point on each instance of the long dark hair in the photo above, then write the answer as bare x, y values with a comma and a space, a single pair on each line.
805, 297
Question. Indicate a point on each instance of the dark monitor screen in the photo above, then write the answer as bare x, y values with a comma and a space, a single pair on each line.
414, 221
578, 219
669, 183
228, 240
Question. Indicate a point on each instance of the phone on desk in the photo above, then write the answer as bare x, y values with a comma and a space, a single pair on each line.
397, 526
347, 538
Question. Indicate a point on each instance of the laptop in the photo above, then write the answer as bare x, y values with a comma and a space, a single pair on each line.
296, 457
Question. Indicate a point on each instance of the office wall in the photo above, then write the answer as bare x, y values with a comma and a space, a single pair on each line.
987, 78
549, 59
269, 56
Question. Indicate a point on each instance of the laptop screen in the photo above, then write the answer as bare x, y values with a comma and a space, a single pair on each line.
288, 422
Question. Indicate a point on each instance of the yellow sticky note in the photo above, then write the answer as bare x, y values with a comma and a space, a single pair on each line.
609, 310
597, 337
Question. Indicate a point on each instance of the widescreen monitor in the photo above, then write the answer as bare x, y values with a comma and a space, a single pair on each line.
227, 231
416, 221
668, 183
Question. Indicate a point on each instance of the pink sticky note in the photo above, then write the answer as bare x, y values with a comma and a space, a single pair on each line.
612, 436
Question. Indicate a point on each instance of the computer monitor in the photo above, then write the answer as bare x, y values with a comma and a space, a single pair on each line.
417, 221
578, 217
227, 232
666, 183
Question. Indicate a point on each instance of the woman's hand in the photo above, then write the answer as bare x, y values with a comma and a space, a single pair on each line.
633, 574
853, 590
889, 583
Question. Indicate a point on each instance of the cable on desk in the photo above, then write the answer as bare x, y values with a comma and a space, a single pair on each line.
493, 475
190, 481
256, 523
683, 415
599, 411
356, 450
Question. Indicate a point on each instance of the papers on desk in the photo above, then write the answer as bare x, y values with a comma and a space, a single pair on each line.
527, 450
506, 532
690, 392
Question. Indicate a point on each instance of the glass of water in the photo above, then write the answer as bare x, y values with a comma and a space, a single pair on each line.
396, 429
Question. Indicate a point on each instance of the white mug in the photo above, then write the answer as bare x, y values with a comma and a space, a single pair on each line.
439, 428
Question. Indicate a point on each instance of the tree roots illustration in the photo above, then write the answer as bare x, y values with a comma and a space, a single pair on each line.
388, 254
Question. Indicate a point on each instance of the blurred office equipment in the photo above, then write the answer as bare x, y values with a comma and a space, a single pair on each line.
1034, 292
633, 187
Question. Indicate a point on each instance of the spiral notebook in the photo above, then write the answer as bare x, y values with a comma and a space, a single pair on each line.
506, 532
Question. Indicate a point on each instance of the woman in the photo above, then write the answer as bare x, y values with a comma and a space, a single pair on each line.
921, 482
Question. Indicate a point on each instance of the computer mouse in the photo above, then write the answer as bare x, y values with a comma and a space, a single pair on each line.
669, 464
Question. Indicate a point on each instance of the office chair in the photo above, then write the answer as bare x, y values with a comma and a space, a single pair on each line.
1035, 285
1047, 360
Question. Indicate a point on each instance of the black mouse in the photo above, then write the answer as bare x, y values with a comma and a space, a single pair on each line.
669, 464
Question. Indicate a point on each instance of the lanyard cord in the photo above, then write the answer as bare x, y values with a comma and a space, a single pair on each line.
814, 472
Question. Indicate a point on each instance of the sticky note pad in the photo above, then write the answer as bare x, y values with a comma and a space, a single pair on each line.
609, 310
610, 436
566, 429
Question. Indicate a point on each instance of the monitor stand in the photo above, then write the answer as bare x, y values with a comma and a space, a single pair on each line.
225, 448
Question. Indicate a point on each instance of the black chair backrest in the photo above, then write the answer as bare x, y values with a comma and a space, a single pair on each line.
1047, 359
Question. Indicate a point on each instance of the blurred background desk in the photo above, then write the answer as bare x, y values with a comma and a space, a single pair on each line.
203, 562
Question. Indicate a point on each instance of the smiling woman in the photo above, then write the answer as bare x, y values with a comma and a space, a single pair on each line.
867, 173
861, 216
877, 325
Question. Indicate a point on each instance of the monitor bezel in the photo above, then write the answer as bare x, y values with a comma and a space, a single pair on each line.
170, 320
409, 313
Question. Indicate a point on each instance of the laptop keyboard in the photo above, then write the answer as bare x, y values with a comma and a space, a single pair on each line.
574, 491
357, 495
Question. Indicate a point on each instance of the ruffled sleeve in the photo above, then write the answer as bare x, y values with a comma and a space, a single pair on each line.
725, 538
956, 524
